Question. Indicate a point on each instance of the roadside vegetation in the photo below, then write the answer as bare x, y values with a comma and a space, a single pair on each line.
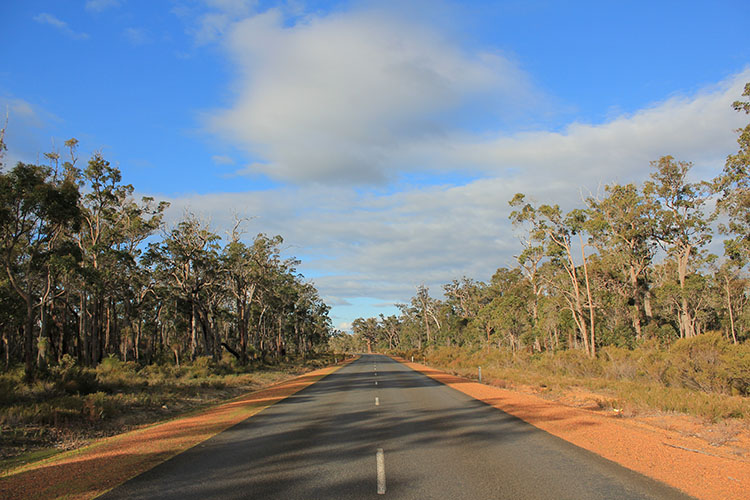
69, 405
619, 295
109, 318
706, 376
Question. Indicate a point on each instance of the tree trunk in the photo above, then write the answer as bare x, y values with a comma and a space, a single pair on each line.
592, 347
28, 340
193, 333
686, 319
729, 308
637, 304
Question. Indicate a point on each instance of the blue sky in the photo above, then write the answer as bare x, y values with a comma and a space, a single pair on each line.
381, 139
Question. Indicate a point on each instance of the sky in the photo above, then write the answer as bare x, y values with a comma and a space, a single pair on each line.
381, 139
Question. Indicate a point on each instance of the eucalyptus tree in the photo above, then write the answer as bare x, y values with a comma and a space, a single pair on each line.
391, 327
682, 226
532, 252
734, 189
187, 261
37, 210
622, 226
428, 311
549, 225
508, 308
368, 330
113, 228
464, 296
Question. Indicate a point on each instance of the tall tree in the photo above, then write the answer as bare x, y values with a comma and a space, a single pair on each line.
36, 210
683, 227
622, 225
734, 189
556, 230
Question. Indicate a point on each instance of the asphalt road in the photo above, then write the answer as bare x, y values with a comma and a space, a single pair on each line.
377, 429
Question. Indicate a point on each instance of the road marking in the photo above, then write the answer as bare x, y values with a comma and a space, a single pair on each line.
380, 459
377, 401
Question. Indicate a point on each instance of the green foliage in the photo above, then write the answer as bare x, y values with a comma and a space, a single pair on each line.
70, 378
113, 374
709, 363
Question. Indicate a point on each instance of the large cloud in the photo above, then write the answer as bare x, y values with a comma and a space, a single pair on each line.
382, 245
334, 99
695, 128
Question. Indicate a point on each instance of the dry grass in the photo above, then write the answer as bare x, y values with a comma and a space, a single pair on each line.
704, 376
70, 405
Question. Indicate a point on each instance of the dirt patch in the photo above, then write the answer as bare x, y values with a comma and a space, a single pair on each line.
93, 470
708, 461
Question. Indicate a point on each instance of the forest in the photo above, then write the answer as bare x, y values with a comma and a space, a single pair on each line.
628, 268
90, 273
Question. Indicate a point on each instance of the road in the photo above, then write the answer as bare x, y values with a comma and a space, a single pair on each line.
377, 429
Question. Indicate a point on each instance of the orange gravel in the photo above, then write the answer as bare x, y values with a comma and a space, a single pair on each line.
97, 468
683, 462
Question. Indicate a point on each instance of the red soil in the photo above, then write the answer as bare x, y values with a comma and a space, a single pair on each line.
657, 447
91, 471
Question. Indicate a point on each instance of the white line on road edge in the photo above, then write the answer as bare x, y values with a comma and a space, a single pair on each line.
380, 459
377, 401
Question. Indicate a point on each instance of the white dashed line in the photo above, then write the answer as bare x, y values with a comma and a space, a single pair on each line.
380, 459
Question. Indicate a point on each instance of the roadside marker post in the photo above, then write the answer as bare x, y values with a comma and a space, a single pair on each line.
480, 374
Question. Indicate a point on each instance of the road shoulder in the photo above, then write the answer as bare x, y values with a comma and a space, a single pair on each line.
95, 469
669, 457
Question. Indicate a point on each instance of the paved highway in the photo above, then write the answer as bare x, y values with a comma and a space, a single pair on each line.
377, 429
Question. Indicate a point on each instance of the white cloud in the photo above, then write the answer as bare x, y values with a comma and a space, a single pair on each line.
334, 99
697, 128
370, 244
62, 26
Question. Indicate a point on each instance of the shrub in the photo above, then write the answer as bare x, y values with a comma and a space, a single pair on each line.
9, 382
113, 374
98, 406
699, 363
619, 363
576, 363
73, 379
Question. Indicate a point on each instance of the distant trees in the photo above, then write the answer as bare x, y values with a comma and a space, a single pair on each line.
85, 274
627, 267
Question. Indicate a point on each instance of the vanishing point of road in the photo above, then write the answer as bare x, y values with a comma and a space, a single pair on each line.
377, 429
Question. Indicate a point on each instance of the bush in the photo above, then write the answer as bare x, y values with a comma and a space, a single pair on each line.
98, 406
73, 379
202, 367
575, 362
9, 382
702, 363
619, 363
112, 374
